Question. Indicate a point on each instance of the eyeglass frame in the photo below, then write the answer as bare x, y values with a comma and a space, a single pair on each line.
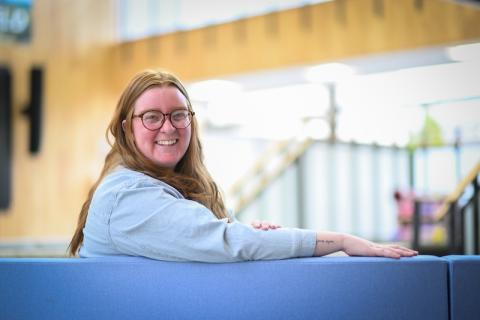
165, 116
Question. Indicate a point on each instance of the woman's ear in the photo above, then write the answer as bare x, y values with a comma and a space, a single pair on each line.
123, 124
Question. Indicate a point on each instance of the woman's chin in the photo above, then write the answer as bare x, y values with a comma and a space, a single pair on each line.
166, 163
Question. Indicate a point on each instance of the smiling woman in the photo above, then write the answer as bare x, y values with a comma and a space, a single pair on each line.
155, 198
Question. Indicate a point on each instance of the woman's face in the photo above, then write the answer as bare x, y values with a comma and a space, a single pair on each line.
167, 145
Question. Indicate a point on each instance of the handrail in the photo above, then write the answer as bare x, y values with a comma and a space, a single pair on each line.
455, 195
259, 164
264, 178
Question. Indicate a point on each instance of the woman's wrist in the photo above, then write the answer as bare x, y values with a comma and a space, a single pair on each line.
328, 242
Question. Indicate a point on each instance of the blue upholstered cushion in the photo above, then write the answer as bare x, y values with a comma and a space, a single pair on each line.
308, 288
464, 287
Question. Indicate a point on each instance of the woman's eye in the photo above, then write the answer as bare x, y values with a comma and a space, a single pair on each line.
151, 117
180, 115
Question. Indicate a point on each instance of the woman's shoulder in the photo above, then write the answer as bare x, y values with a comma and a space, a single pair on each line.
122, 178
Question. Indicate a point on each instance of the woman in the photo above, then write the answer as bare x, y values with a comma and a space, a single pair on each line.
155, 198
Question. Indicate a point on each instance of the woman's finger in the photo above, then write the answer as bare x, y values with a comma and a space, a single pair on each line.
393, 251
265, 225
404, 251
256, 224
387, 252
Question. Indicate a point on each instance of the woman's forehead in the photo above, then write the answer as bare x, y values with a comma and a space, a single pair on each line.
161, 98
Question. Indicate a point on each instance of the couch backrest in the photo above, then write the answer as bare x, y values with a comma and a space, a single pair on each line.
308, 288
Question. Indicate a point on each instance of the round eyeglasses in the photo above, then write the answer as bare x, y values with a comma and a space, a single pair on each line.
154, 119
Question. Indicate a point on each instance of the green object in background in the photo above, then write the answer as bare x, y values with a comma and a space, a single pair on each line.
430, 135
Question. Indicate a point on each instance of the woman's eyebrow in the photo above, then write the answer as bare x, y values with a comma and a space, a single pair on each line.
158, 108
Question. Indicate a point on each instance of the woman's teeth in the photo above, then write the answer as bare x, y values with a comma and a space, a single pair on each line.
166, 142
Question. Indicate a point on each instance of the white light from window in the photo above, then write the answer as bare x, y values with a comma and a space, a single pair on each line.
465, 52
214, 89
329, 72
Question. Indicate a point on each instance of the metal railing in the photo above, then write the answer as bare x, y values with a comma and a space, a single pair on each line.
453, 212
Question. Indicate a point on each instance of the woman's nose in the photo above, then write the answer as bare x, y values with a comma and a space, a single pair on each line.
167, 126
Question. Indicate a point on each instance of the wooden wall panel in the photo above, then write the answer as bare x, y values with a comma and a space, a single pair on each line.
334, 30
69, 40
86, 69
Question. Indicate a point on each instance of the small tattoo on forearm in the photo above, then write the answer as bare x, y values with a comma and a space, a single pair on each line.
325, 241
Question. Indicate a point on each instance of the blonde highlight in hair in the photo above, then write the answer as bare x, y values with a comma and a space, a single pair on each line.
190, 176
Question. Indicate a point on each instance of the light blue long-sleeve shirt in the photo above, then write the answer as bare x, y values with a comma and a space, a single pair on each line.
134, 214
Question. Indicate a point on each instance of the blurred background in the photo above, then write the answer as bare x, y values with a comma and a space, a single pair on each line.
359, 116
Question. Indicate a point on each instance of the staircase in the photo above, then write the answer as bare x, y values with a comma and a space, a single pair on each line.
269, 166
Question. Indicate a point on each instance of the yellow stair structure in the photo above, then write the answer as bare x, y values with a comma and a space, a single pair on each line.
269, 166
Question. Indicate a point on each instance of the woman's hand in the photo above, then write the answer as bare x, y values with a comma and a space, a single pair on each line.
263, 225
354, 246
329, 242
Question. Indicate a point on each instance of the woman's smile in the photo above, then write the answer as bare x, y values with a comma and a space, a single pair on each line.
166, 142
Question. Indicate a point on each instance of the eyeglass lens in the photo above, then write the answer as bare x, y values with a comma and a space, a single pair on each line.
154, 119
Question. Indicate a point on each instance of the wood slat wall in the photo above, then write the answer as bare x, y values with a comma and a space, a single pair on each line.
85, 70
312, 34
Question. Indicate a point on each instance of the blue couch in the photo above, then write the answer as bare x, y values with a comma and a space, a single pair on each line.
307, 288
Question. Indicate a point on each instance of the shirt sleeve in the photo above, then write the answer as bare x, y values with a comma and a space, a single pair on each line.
149, 221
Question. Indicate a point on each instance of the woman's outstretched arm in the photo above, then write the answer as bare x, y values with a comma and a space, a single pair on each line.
330, 242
